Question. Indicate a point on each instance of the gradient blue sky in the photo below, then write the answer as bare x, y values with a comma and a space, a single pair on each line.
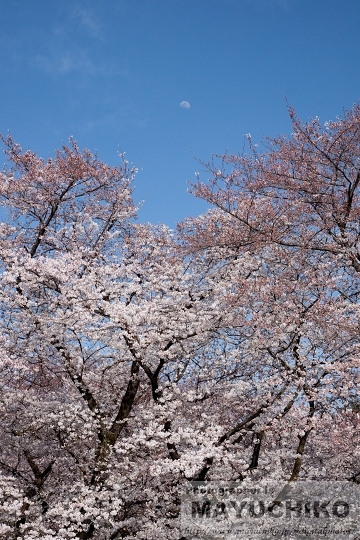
112, 73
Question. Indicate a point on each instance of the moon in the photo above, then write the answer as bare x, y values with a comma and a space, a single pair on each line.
185, 105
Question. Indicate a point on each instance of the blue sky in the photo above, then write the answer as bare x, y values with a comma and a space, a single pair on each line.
113, 73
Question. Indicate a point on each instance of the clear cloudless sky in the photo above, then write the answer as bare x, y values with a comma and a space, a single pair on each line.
112, 73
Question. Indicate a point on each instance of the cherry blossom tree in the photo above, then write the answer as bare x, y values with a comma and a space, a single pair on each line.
101, 325
134, 360
294, 211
